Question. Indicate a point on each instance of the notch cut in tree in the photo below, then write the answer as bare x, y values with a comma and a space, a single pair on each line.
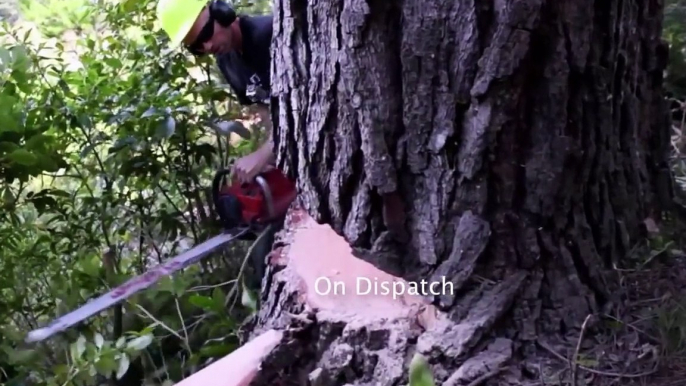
513, 146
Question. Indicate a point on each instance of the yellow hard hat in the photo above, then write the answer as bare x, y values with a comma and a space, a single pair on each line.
177, 17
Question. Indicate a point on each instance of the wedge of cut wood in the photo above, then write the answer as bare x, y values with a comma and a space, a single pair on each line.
239, 367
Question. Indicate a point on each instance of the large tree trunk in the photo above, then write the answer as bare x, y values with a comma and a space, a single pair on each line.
513, 146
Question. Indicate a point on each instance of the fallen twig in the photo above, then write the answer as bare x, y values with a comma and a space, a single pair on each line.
594, 371
655, 254
633, 327
485, 377
575, 363
206, 287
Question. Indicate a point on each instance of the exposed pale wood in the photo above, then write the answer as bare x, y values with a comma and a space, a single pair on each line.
238, 368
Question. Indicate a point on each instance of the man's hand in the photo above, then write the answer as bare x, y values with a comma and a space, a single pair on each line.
248, 167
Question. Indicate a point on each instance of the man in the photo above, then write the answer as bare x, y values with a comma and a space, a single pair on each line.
242, 48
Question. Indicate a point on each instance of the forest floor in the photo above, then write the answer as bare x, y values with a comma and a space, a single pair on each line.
640, 337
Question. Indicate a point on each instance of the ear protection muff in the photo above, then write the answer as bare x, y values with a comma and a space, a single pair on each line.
222, 12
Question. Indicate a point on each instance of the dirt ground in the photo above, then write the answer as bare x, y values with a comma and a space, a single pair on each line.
640, 338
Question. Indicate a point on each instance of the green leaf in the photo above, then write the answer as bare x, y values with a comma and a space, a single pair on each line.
150, 328
22, 81
218, 299
8, 119
200, 301
61, 370
20, 59
224, 326
8, 196
5, 58
167, 127
217, 350
21, 356
420, 373
106, 365
163, 89
149, 112
38, 141
165, 284
113, 62
180, 285
248, 298
11, 332
47, 163
8, 147
87, 150
90, 265
23, 157
128, 6
98, 340
78, 348
140, 343
123, 365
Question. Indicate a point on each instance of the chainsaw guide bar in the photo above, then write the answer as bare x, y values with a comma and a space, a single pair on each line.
243, 208
132, 286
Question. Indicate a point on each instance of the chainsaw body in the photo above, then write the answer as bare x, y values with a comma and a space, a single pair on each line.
253, 205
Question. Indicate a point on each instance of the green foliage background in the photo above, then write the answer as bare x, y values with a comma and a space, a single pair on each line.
675, 34
105, 155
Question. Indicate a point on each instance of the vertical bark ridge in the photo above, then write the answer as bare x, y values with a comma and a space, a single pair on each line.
367, 79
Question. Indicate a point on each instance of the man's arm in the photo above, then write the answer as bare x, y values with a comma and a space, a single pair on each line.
267, 148
247, 167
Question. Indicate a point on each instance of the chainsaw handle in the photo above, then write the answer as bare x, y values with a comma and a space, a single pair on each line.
268, 197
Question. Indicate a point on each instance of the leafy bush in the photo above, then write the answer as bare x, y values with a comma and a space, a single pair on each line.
105, 156
54, 17
675, 34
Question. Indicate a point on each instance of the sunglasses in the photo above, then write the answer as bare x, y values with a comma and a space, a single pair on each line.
206, 33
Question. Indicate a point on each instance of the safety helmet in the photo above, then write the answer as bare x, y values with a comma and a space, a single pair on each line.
177, 17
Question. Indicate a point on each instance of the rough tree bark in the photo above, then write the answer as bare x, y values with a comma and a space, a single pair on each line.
514, 146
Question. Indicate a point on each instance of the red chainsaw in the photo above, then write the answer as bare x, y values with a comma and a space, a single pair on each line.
252, 205
244, 210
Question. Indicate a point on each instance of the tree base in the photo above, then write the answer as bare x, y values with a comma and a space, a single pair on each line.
366, 338
306, 335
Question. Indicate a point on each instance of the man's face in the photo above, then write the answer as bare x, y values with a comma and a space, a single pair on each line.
207, 36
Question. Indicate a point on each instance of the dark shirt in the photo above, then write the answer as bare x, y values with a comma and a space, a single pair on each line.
248, 74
